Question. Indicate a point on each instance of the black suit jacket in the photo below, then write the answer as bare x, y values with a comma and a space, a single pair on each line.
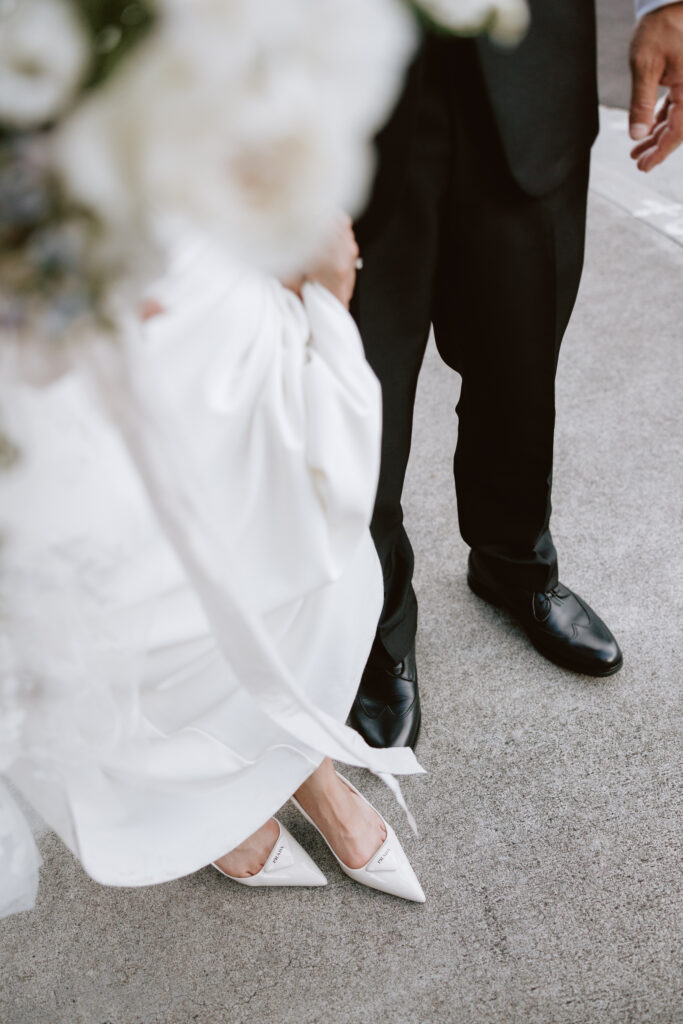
543, 95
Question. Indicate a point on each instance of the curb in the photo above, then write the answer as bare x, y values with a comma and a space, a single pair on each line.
656, 199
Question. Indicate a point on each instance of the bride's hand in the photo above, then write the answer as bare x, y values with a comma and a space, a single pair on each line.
150, 308
336, 267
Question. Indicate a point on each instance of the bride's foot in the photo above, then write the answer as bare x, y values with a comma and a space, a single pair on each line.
364, 844
249, 857
354, 830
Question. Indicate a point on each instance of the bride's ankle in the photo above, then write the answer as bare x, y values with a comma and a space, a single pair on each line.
320, 785
324, 793
352, 827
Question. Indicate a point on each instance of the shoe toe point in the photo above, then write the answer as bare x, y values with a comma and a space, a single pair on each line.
612, 660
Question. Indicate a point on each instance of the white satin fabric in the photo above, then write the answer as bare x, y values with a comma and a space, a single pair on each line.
189, 586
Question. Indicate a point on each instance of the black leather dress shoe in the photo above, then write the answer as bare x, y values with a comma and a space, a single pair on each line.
386, 711
558, 622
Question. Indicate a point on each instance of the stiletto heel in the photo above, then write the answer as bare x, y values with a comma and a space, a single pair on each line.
287, 864
388, 870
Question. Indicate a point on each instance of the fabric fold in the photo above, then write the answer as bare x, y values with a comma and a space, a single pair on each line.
191, 586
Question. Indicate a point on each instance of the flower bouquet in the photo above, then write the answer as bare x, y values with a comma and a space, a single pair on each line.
249, 119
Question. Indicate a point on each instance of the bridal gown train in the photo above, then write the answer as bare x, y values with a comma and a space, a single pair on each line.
189, 588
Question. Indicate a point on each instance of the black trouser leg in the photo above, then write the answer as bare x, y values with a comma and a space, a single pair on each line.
509, 270
498, 272
392, 305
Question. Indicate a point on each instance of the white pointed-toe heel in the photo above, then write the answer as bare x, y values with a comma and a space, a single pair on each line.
287, 864
388, 869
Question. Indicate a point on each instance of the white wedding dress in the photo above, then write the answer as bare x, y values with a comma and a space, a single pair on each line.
189, 588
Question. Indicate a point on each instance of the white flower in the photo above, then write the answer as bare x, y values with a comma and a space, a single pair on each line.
44, 55
505, 20
301, 89
98, 153
250, 119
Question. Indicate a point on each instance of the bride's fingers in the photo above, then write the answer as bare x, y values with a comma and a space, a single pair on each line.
336, 266
294, 285
150, 308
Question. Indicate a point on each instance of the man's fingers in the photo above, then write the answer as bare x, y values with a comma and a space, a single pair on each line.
656, 58
663, 111
646, 161
646, 74
667, 142
648, 64
652, 140
666, 136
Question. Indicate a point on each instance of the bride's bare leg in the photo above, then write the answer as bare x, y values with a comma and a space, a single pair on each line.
248, 858
352, 828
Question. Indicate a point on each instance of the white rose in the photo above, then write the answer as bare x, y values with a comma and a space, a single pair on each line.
505, 20
44, 55
250, 120
277, 109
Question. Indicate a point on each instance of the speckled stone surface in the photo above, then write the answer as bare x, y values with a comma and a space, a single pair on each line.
550, 817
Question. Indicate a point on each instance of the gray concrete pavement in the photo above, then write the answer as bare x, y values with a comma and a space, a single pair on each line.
656, 198
550, 818
549, 829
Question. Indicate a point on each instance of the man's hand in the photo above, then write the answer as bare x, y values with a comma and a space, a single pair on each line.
657, 60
